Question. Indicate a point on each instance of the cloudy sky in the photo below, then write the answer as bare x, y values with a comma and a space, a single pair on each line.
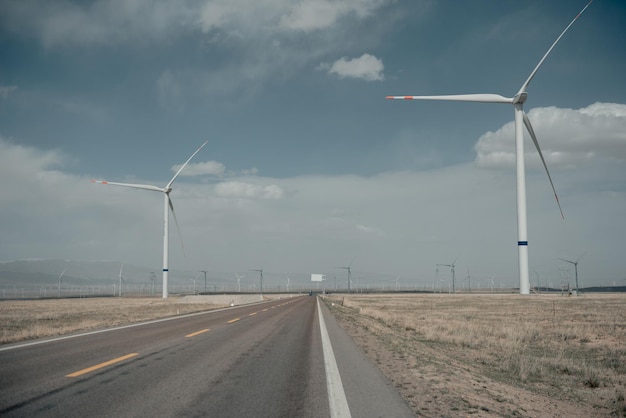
307, 166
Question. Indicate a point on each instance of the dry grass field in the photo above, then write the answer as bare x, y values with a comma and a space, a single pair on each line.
28, 319
496, 355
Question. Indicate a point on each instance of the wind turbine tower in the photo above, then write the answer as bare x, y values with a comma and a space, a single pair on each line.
521, 120
167, 203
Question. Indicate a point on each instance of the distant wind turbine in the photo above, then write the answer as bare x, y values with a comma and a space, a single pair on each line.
451, 265
60, 277
167, 203
239, 281
520, 120
120, 276
575, 263
261, 278
437, 277
205, 272
469, 281
349, 275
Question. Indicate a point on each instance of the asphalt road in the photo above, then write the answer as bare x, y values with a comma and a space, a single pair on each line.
264, 360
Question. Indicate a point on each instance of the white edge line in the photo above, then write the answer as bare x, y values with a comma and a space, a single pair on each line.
336, 396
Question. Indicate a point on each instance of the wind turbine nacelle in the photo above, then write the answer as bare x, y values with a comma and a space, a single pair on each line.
520, 98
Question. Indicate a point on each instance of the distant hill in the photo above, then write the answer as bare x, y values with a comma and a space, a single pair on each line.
46, 272
40, 277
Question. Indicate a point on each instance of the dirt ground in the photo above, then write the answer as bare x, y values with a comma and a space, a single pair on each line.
440, 378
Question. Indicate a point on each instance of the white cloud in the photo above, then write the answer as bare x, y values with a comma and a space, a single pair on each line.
242, 190
102, 22
313, 15
108, 22
239, 17
568, 138
367, 67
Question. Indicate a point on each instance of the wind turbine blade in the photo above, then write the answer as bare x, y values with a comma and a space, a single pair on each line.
176, 222
62, 273
134, 186
569, 261
581, 256
534, 138
183, 166
532, 75
484, 98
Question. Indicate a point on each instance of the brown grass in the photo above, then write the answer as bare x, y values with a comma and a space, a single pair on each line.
24, 320
496, 355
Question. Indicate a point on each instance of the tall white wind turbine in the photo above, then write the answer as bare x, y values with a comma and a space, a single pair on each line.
520, 120
167, 203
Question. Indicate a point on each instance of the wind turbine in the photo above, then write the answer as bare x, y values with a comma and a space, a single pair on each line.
469, 281
536, 279
167, 202
205, 272
288, 283
239, 281
437, 277
261, 277
349, 275
451, 265
520, 120
60, 277
575, 263
120, 276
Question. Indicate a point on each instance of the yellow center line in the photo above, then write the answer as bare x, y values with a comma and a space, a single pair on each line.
264, 310
193, 334
101, 365
234, 320
253, 313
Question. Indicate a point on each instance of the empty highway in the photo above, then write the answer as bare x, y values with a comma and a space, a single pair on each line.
284, 358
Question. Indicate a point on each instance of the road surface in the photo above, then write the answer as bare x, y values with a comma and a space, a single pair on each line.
284, 358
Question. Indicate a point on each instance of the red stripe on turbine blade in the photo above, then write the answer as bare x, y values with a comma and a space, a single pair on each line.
408, 97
